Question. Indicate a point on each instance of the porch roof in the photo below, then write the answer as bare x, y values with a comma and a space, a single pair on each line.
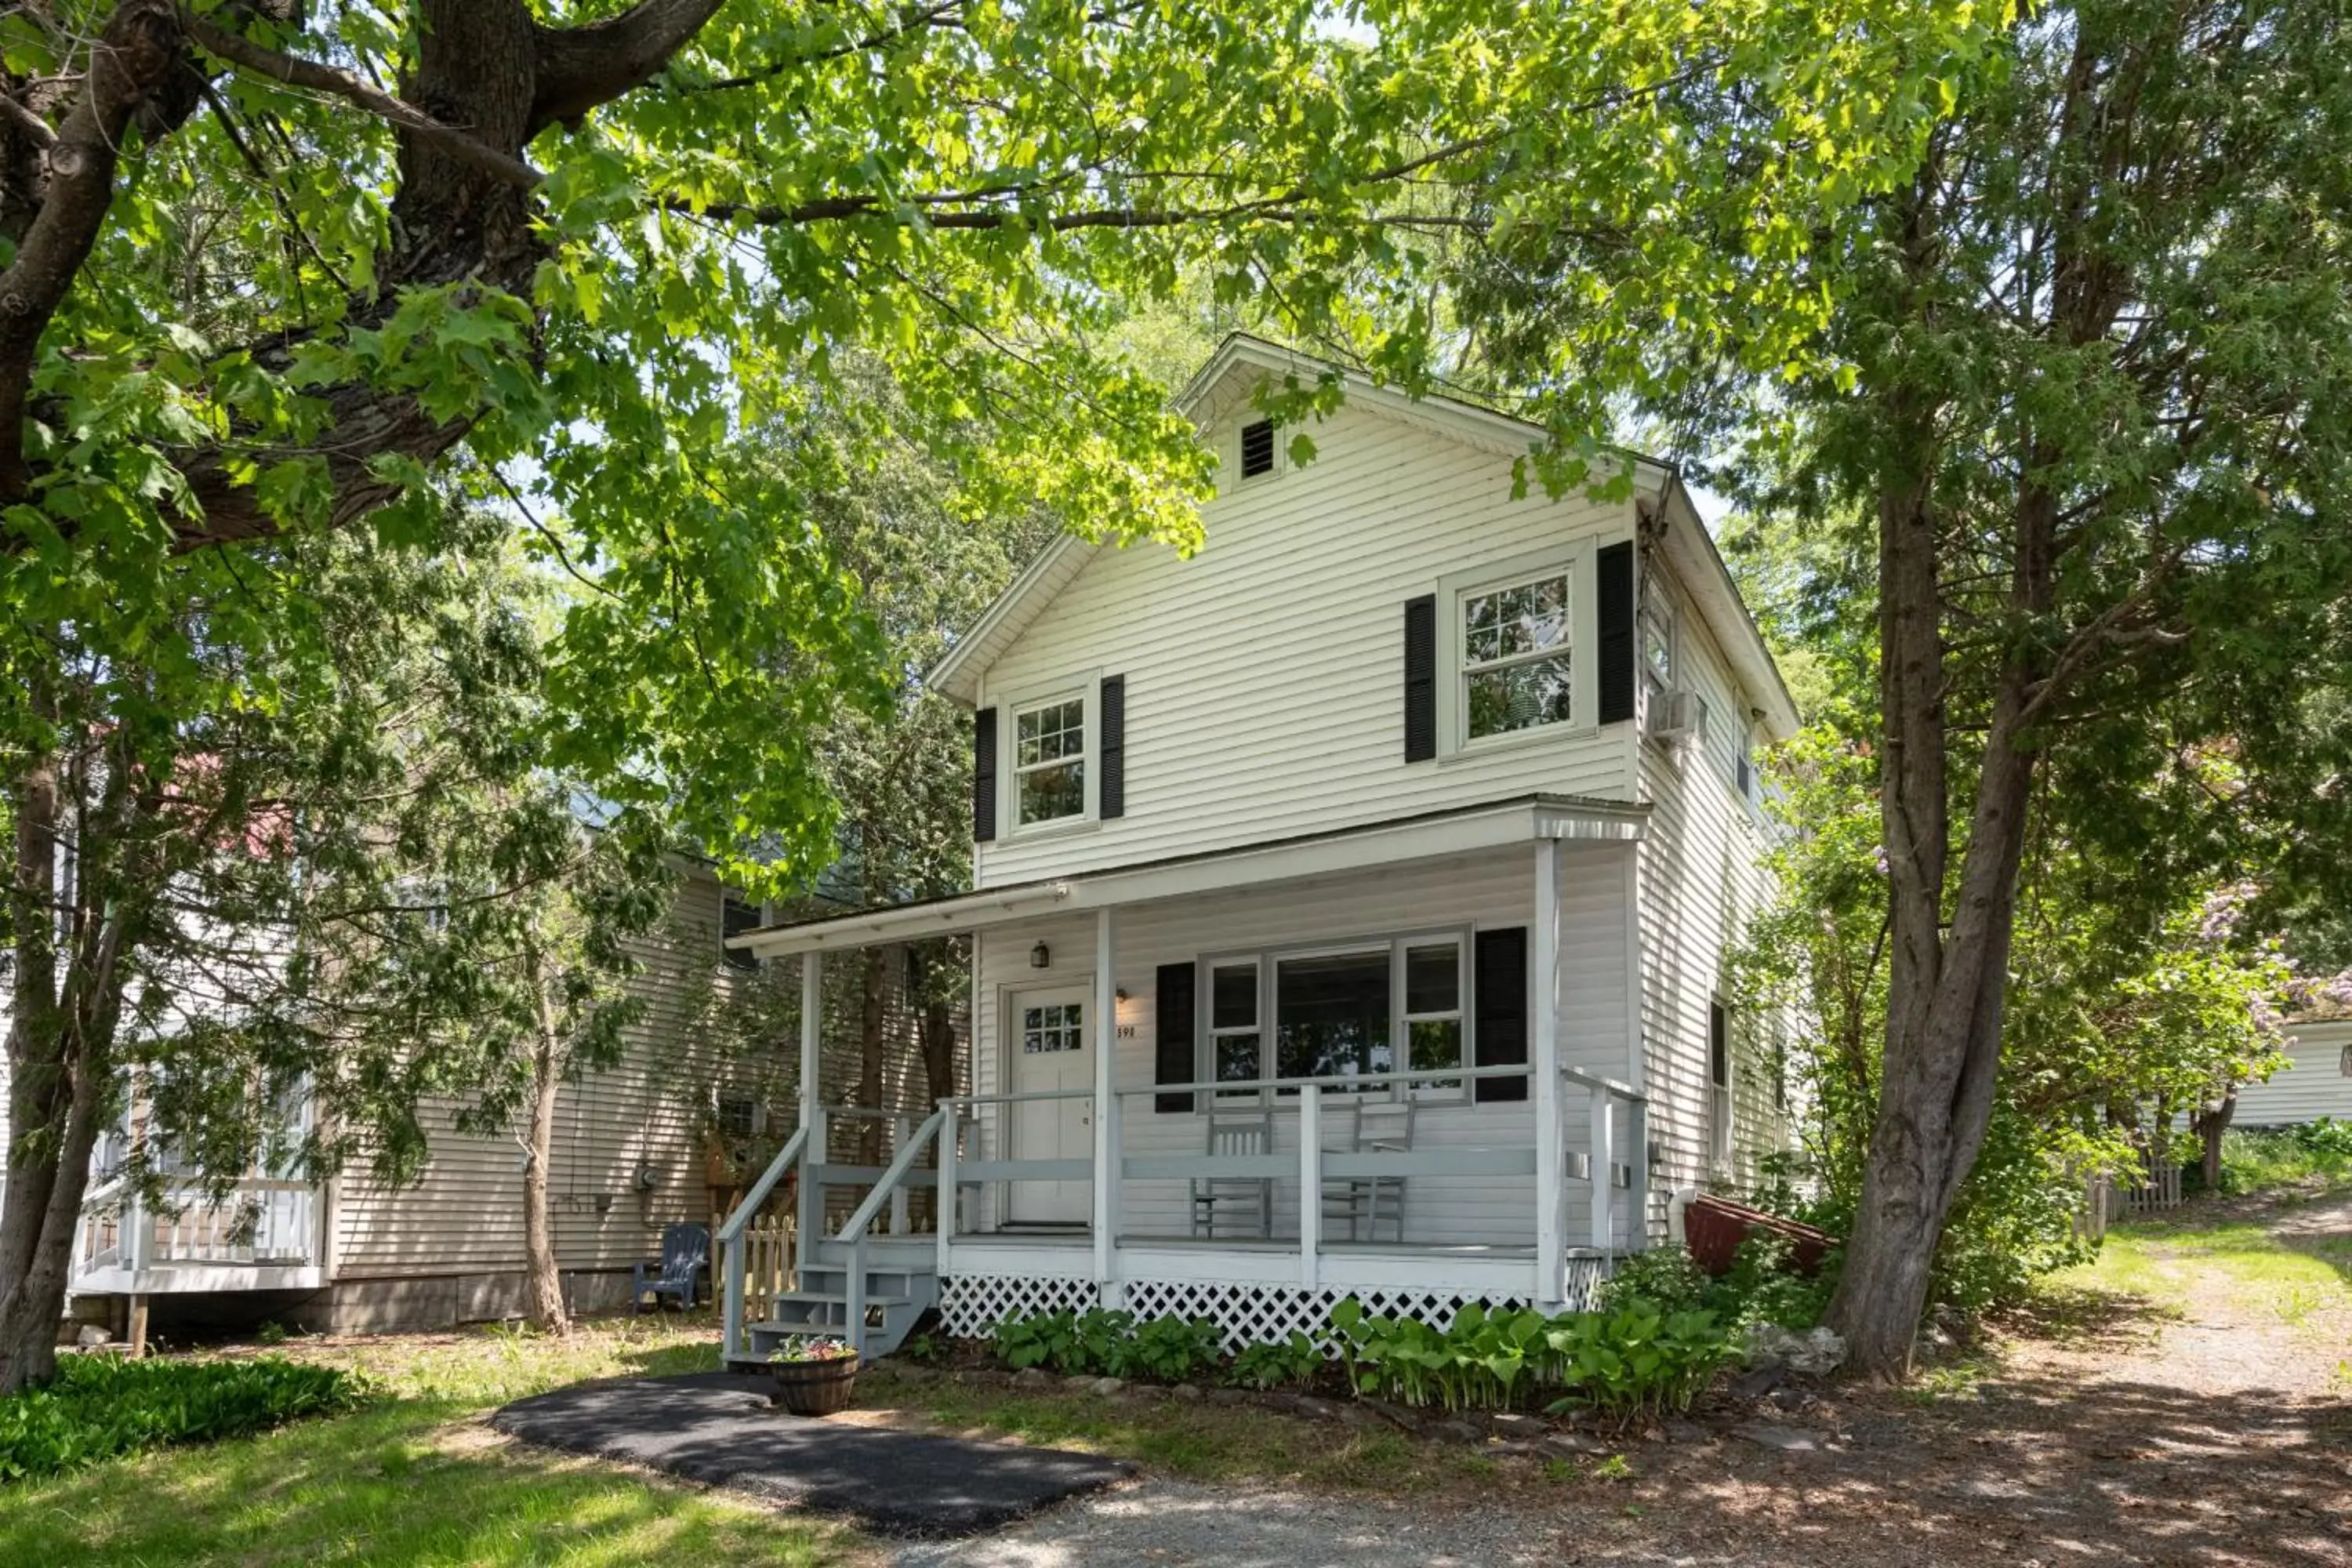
1456, 830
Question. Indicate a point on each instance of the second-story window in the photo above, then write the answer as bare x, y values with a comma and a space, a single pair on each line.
1049, 761
1514, 656
1657, 642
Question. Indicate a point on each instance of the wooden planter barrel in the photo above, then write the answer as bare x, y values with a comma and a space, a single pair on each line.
1713, 1228
814, 1387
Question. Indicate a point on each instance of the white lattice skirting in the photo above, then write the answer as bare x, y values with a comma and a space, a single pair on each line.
972, 1304
1246, 1314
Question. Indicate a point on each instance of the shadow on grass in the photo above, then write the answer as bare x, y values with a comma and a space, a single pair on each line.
2080, 1314
398, 1484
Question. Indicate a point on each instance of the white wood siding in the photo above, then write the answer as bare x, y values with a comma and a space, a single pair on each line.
1489, 890
1702, 880
1264, 676
2313, 1087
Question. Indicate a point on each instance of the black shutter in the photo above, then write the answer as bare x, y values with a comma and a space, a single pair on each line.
983, 775
1421, 679
1112, 800
1615, 562
1258, 448
1171, 1062
1500, 972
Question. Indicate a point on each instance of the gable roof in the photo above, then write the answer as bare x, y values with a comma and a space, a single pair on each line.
1231, 377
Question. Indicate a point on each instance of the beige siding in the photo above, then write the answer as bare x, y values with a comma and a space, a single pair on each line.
1264, 678
2315, 1086
1488, 891
465, 1215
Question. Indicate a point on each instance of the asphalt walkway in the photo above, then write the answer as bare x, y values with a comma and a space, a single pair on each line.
719, 1429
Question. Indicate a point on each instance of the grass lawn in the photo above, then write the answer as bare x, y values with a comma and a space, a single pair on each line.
1200, 1441
415, 1479
2300, 1280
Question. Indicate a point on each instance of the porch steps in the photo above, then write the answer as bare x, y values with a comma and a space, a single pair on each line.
898, 1291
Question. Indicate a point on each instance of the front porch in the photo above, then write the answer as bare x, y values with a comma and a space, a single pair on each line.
1125, 1146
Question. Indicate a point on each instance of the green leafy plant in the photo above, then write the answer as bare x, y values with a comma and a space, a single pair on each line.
1633, 1358
1105, 1344
1175, 1350
99, 1407
1035, 1340
271, 1333
1277, 1363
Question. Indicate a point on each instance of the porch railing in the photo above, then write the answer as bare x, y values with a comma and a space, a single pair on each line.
261, 1222
730, 1238
1617, 1148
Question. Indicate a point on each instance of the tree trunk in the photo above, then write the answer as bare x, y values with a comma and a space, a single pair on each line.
58, 1046
2211, 1121
544, 1281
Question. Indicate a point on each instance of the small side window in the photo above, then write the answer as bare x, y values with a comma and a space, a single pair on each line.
736, 916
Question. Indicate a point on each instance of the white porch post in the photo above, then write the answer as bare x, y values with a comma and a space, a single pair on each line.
1604, 1168
1106, 1187
1551, 1160
813, 1152
1310, 1186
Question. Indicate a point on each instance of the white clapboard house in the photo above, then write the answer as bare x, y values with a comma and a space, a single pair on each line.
1352, 902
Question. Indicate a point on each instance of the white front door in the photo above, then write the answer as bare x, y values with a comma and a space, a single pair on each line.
1052, 1048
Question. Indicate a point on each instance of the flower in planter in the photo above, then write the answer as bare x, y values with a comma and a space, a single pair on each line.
816, 1350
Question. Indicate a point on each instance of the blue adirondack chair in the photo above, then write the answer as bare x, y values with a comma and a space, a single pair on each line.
685, 1252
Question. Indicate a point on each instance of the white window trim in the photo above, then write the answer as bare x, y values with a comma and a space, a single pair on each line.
1574, 560
1654, 597
1267, 960
1722, 1098
1086, 688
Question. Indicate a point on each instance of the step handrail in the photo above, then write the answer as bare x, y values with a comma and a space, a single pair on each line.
854, 1233
730, 1238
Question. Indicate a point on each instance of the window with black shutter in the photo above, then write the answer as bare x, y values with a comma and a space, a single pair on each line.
1614, 609
1171, 1060
1421, 679
1499, 988
983, 775
1258, 448
1111, 798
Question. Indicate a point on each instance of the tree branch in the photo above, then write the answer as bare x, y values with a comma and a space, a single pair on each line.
450, 140
580, 67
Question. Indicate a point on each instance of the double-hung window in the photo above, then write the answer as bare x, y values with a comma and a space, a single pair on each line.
1657, 632
1233, 1034
1347, 1011
1049, 761
1430, 1008
1515, 656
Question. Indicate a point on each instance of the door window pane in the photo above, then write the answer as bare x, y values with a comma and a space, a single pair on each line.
1054, 1027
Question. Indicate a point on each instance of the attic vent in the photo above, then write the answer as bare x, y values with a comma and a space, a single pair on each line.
1258, 448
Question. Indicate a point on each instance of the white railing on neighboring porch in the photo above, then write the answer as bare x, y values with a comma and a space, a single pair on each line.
259, 1223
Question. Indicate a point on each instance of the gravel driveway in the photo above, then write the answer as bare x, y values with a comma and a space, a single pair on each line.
2211, 1432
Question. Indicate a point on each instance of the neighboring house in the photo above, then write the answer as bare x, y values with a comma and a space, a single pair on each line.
634, 1152
2315, 1082
1405, 793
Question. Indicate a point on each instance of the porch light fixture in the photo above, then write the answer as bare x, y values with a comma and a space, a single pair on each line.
1041, 957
